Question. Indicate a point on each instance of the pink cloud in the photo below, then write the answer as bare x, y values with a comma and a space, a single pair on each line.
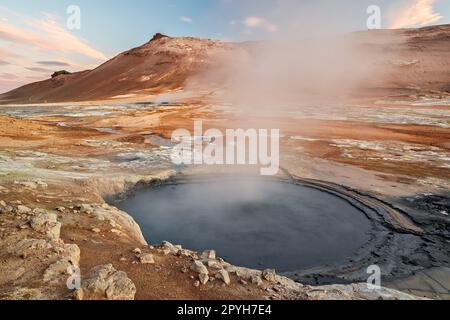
414, 13
258, 22
48, 34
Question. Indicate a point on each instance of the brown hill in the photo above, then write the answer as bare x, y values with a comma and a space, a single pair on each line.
416, 61
164, 63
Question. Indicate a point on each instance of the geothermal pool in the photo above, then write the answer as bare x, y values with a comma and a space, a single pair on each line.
254, 223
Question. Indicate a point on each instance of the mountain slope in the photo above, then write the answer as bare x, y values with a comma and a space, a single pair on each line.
162, 64
413, 61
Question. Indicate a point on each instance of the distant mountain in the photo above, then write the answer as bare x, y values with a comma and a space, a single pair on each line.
417, 60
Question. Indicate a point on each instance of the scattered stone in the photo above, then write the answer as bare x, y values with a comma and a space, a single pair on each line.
47, 224
209, 255
96, 230
146, 258
224, 276
6, 209
105, 206
137, 251
168, 248
21, 209
116, 232
204, 278
86, 208
199, 267
184, 269
55, 272
61, 209
269, 275
123, 259
26, 184
37, 211
71, 252
41, 183
106, 283
214, 264
256, 280
243, 282
2, 203
197, 284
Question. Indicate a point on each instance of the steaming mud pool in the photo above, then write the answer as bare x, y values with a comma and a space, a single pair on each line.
252, 223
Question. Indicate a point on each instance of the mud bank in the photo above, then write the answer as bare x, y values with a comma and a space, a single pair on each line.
397, 243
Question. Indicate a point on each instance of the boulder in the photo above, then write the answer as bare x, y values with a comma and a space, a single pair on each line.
199, 267
86, 208
70, 252
269, 275
256, 280
204, 278
47, 224
106, 283
146, 258
6, 209
224, 276
58, 271
209, 255
166, 246
21, 209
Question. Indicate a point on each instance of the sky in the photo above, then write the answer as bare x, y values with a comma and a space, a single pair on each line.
35, 38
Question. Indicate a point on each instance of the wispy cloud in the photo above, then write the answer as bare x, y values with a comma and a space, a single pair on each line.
48, 34
414, 13
262, 23
54, 63
186, 19
40, 70
32, 48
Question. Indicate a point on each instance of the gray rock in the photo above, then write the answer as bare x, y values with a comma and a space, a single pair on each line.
86, 208
209, 255
204, 278
224, 276
106, 283
199, 267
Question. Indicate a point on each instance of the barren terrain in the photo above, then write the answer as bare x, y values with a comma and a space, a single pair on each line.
60, 162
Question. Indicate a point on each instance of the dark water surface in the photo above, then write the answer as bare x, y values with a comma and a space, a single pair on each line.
252, 223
